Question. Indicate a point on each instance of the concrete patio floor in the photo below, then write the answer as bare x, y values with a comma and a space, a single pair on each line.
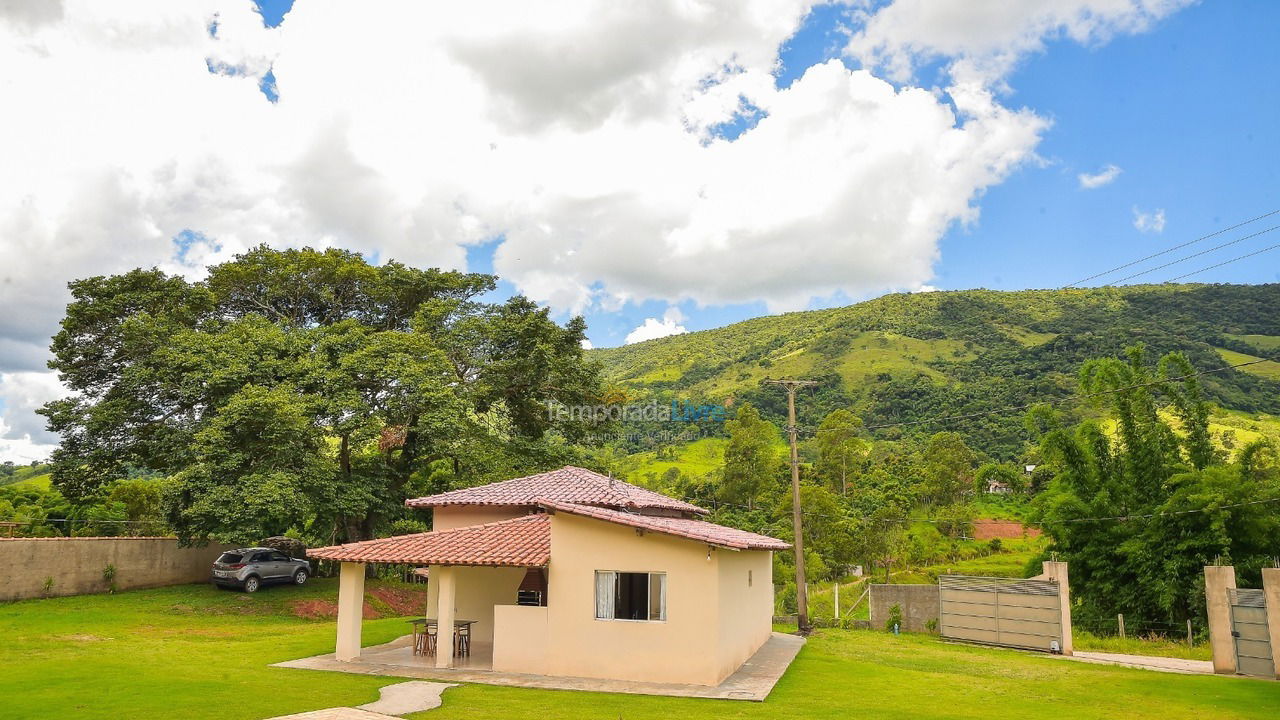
753, 681
1147, 662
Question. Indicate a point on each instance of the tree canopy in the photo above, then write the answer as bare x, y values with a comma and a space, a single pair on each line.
307, 390
1140, 503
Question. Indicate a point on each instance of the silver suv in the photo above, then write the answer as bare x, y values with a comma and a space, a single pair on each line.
250, 568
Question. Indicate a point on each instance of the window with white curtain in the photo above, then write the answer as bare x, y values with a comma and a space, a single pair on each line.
631, 595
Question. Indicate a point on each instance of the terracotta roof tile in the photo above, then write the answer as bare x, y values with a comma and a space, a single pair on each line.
688, 528
568, 484
518, 542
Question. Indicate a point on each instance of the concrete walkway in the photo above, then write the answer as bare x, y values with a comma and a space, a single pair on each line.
338, 713
407, 697
1146, 662
753, 681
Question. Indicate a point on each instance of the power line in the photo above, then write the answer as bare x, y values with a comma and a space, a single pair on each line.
1172, 249
1148, 516
935, 521
1196, 255
1071, 399
1225, 262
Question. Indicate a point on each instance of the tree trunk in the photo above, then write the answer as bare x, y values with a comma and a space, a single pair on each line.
344, 457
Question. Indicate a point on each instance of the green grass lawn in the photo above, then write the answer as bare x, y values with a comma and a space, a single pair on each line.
195, 652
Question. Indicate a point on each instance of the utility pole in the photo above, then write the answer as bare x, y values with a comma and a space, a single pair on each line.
802, 593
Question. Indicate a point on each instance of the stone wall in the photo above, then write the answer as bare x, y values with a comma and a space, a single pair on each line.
919, 605
76, 565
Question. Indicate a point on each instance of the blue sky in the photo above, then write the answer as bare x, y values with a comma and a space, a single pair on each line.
1188, 111
734, 158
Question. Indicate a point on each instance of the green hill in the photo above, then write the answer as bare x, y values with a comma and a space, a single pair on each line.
36, 476
911, 357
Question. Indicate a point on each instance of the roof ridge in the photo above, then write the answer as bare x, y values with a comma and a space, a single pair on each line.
571, 483
673, 526
477, 526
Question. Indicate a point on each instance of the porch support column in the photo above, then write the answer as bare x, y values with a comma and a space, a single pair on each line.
350, 610
1217, 580
446, 593
1057, 571
1271, 590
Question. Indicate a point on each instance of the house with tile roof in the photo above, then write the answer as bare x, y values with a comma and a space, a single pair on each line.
573, 573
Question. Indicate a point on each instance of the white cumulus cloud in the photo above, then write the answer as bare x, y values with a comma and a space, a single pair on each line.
1091, 181
653, 328
984, 39
1149, 222
580, 131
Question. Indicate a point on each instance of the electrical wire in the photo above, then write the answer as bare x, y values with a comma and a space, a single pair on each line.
1071, 399
1196, 255
1225, 262
1172, 249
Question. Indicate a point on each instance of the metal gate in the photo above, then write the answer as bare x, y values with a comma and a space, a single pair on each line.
1249, 628
1000, 611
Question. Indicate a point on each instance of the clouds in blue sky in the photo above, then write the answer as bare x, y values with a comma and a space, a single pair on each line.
1104, 176
1149, 221
584, 141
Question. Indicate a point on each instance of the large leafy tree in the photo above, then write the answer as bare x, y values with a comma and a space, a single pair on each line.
751, 458
841, 449
306, 389
948, 465
1140, 509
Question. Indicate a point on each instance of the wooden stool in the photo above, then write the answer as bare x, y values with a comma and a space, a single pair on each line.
462, 640
429, 640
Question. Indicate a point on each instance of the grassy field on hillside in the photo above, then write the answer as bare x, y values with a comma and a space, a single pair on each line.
1265, 343
40, 482
195, 652
28, 476
693, 459
1269, 370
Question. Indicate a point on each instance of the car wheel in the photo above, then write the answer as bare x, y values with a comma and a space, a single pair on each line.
251, 584
300, 577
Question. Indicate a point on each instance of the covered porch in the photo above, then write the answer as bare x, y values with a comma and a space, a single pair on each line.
477, 575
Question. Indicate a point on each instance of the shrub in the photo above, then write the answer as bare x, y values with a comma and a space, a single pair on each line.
109, 577
895, 618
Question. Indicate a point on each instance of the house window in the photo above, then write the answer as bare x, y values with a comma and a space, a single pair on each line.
631, 595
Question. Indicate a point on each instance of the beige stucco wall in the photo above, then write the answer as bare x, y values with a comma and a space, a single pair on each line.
746, 605
452, 516
479, 589
520, 637
76, 564
706, 634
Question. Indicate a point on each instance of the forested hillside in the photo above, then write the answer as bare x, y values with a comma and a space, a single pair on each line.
911, 357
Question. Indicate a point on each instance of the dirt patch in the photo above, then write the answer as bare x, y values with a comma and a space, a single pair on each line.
384, 602
988, 529
402, 601
314, 609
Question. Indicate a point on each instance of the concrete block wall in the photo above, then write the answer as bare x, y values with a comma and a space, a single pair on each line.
76, 564
919, 603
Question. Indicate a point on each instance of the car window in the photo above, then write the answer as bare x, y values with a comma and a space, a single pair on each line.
279, 557
230, 558
260, 557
